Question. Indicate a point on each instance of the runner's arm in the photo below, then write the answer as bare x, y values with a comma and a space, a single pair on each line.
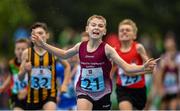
22, 70
67, 75
130, 70
142, 52
64, 54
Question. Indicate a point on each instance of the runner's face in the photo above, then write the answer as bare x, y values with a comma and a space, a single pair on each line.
96, 28
19, 48
41, 33
126, 33
170, 44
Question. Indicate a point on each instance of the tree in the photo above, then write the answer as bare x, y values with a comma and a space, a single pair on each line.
13, 14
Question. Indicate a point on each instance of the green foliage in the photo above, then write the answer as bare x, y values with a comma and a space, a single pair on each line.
151, 16
14, 13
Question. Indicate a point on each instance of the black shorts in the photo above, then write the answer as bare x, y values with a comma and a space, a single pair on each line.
17, 102
102, 104
135, 96
169, 97
39, 106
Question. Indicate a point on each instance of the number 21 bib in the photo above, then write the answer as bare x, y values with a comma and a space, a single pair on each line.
92, 79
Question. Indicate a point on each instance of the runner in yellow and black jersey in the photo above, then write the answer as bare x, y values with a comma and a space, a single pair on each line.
42, 82
40, 66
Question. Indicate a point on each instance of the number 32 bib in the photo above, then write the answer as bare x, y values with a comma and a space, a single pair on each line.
41, 78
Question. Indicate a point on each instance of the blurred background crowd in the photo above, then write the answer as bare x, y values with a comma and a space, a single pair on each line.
158, 30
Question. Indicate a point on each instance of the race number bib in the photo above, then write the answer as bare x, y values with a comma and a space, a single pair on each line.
41, 78
128, 80
19, 85
92, 79
170, 80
